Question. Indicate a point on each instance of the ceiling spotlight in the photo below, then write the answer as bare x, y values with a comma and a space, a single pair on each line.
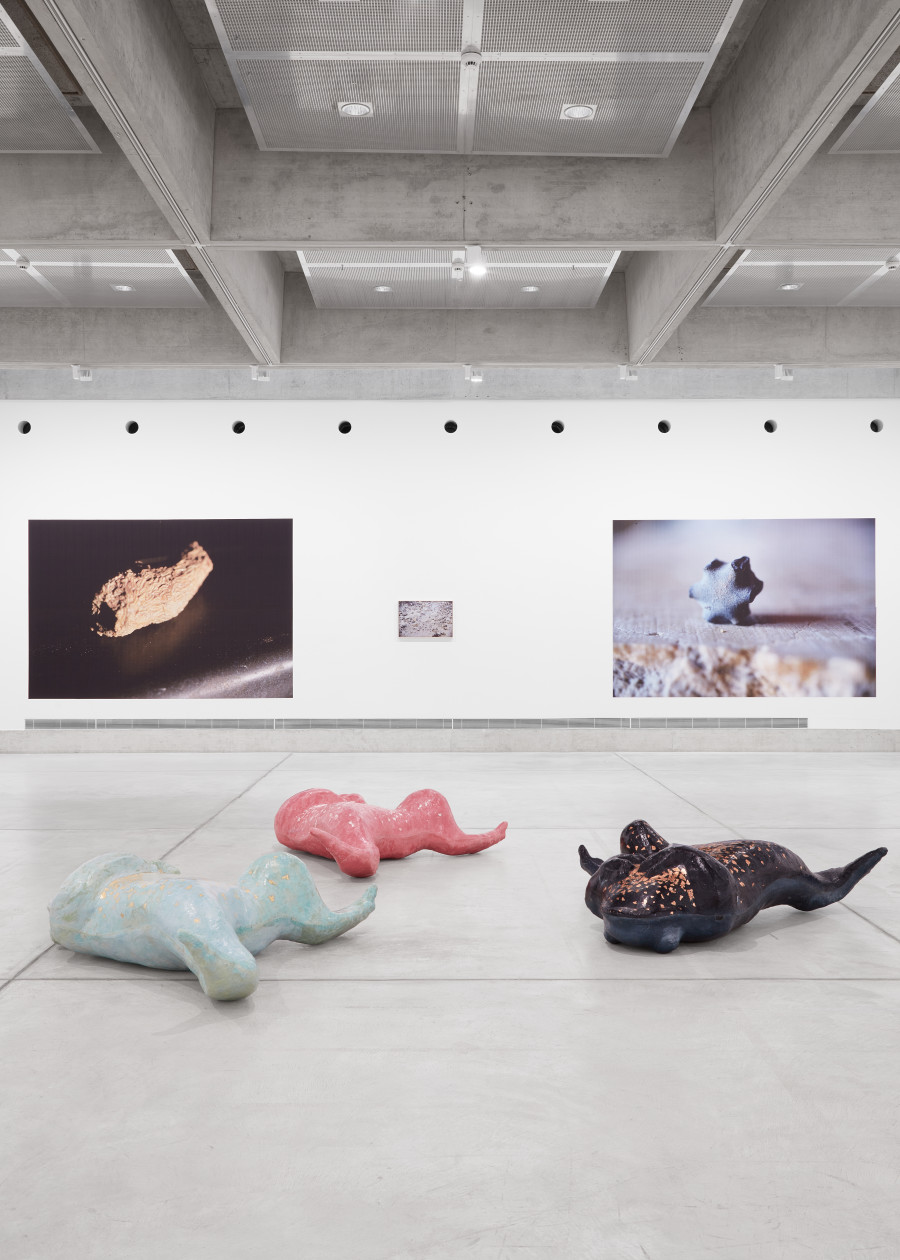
80, 373
474, 374
789, 288
893, 263
22, 262
627, 372
355, 109
259, 373
530, 288
123, 288
475, 261
383, 288
458, 264
578, 111
783, 373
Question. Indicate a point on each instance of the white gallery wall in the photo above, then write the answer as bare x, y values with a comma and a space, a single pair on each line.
504, 517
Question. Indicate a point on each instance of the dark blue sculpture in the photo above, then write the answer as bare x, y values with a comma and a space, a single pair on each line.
656, 895
726, 591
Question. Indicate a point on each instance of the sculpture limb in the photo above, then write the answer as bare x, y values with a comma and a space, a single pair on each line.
463, 843
359, 857
226, 970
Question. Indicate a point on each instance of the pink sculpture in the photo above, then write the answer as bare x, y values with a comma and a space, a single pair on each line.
357, 835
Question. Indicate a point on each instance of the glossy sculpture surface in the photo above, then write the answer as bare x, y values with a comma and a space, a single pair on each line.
656, 895
123, 907
357, 835
726, 591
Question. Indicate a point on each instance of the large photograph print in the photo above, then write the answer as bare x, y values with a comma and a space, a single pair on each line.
744, 608
171, 610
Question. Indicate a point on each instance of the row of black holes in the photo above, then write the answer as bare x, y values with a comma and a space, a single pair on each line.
451, 426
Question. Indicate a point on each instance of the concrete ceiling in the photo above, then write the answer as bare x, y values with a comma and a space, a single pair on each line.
166, 102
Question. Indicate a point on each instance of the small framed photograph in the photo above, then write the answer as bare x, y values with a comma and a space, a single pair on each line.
425, 618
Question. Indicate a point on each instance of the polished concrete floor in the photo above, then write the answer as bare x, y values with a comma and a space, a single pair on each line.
473, 1072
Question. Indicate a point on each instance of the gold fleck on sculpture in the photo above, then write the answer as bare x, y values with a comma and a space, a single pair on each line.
131, 600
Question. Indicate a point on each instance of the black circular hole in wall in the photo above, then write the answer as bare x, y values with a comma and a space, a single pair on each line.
876, 426
664, 426
238, 426
451, 426
25, 426
557, 426
770, 426
345, 426
132, 426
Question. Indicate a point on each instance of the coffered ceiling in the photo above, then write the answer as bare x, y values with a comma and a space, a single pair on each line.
359, 183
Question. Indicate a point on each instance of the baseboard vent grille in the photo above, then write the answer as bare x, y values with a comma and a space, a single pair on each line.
404, 724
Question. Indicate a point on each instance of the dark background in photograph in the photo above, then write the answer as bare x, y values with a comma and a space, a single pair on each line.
233, 640
811, 630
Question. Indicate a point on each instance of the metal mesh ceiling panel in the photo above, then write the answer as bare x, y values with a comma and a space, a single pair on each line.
641, 63
341, 256
876, 255
349, 279
18, 288
33, 118
536, 257
85, 278
38, 254
160, 287
580, 26
877, 128
363, 26
296, 104
885, 291
638, 106
760, 286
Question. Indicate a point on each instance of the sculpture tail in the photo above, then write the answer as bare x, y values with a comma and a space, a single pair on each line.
812, 891
329, 923
463, 843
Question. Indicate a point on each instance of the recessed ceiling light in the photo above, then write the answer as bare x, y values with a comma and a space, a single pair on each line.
530, 288
383, 288
789, 288
355, 109
578, 111
123, 288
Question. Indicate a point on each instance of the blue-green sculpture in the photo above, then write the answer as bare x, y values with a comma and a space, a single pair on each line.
123, 907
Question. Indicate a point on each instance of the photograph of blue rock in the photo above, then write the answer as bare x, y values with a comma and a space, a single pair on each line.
745, 608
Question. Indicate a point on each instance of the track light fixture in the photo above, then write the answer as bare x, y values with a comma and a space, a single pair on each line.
783, 373
80, 373
474, 374
260, 373
627, 372
458, 264
475, 261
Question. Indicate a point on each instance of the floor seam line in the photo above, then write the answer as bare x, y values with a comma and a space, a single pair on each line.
677, 795
227, 805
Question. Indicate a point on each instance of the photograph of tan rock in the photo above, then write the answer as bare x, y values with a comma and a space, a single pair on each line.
160, 609
744, 608
425, 618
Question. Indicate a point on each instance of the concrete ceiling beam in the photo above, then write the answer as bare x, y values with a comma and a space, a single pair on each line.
138, 72
41, 337
80, 199
800, 70
279, 200
804, 337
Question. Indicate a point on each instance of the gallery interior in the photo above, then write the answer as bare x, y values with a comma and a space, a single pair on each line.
449, 705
